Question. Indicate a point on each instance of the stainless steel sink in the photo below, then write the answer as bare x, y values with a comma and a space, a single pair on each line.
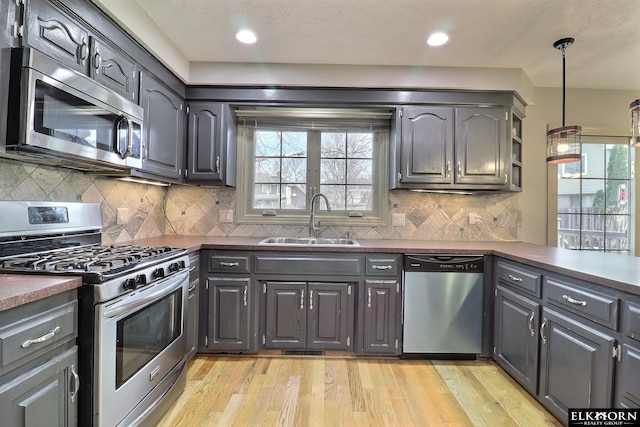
318, 241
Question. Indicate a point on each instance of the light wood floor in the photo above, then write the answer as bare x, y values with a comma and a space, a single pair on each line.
269, 390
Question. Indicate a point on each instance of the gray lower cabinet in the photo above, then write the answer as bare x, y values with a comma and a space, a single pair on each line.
308, 315
381, 308
229, 314
516, 341
193, 301
163, 139
576, 364
44, 395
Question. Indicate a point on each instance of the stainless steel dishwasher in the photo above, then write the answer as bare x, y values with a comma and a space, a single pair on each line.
443, 304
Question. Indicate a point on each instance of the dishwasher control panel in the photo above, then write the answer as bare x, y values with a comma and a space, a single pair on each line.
454, 263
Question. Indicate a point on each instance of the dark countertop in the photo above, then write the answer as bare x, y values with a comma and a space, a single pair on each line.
620, 272
19, 289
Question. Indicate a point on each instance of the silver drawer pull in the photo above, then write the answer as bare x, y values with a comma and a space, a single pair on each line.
43, 338
382, 267
574, 301
244, 296
515, 279
369, 298
76, 384
229, 264
310, 300
531, 331
302, 299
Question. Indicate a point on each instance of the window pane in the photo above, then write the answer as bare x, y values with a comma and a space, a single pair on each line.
335, 194
359, 172
267, 170
266, 196
593, 196
617, 196
359, 197
294, 170
267, 143
294, 144
617, 161
293, 197
332, 145
617, 227
332, 171
360, 145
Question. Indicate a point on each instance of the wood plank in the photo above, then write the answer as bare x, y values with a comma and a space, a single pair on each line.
270, 390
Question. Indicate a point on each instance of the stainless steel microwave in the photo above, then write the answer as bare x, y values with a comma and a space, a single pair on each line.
59, 117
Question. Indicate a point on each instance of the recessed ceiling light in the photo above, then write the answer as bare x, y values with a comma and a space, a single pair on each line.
437, 39
246, 36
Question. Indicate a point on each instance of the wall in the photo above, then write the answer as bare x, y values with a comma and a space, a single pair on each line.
26, 181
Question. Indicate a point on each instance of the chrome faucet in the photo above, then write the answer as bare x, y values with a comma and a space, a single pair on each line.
315, 226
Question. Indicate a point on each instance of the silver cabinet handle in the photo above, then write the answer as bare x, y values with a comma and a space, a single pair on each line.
192, 268
506, 179
515, 279
459, 169
97, 61
531, 331
382, 267
369, 298
244, 297
217, 164
43, 338
191, 289
302, 299
76, 384
574, 301
229, 264
310, 300
543, 328
448, 167
84, 50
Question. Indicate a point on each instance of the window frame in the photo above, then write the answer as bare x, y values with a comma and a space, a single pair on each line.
246, 214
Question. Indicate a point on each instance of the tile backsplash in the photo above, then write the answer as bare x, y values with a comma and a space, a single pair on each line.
191, 210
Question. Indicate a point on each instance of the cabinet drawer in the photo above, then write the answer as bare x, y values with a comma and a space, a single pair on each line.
293, 264
229, 263
382, 265
631, 319
519, 278
32, 334
581, 300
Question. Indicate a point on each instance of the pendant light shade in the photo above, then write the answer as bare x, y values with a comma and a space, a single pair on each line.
563, 143
635, 123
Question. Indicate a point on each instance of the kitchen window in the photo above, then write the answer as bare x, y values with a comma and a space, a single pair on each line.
286, 155
594, 208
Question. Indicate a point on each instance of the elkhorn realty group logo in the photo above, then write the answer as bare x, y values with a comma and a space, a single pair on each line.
604, 417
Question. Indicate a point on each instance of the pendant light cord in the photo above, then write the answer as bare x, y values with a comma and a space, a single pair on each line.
563, 84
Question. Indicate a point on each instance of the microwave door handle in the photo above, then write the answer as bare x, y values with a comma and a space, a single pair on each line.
129, 139
119, 125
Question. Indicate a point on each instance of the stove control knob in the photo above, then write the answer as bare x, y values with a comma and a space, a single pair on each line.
173, 267
158, 273
141, 280
130, 284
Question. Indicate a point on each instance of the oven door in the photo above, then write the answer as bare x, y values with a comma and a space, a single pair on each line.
139, 340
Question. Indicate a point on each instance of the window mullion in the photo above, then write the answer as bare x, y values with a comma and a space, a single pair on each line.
313, 163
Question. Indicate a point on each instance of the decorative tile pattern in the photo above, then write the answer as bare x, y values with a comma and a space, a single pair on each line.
193, 210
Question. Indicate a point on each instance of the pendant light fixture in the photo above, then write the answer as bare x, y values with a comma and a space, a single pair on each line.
635, 123
563, 143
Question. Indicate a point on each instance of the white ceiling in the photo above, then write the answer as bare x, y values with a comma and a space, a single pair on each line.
483, 33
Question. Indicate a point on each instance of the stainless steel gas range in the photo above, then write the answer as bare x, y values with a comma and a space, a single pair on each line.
132, 305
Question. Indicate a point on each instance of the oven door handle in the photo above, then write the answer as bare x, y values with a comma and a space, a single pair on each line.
124, 306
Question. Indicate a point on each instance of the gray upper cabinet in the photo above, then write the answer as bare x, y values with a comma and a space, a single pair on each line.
427, 145
480, 144
56, 34
453, 147
206, 143
164, 135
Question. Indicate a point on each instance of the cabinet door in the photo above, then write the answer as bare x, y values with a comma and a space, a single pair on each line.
192, 319
381, 314
628, 378
163, 129
515, 337
286, 320
52, 32
576, 365
43, 396
328, 316
427, 145
114, 70
205, 161
481, 146
229, 313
